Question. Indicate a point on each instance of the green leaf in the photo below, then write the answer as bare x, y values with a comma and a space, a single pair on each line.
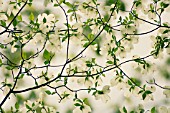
109, 62
48, 92
144, 96
86, 44
3, 23
56, 5
88, 64
153, 110
17, 46
36, 83
9, 67
15, 22
165, 24
33, 104
31, 17
65, 95
100, 92
118, 43
140, 91
65, 80
62, 1
19, 17
44, 20
46, 62
132, 112
17, 105
129, 82
137, 81
166, 31
124, 110
70, 10
2, 46
94, 1
29, 4
86, 101
68, 4
0, 62
93, 60
28, 107
147, 92
79, 101
21, 76
91, 36
46, 55
131, 16
77, 104
9, 85
164, 5
12, 2
46, 2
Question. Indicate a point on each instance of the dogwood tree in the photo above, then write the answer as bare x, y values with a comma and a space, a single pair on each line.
66, 49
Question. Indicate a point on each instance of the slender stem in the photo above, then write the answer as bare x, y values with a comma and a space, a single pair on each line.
14, 18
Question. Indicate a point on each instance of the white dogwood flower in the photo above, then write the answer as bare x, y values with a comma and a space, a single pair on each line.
86, 109
104, 97
167, 92
13, 48
1, 2
128, 30
29, 63
99, 81
50, 109
151, 88
38, 38
54, 44
13, 9
79, 27
44, 18
6, 90
151, 15
116, 80
106, 89
30, 104
121, 52
46, 22
163, 109
3, 16
168, 50
104, 94
87, 83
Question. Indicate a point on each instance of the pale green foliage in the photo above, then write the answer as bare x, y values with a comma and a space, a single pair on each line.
69, 50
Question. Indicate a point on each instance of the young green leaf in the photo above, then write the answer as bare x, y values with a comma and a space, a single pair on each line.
153, 110
124, 110
17, 105
0, 62
31, 17
46, 55
48, 92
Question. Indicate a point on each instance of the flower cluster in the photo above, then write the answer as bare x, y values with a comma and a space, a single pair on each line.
46, 22
163, 109
103, 94
81, 107
167, 92
72, 47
